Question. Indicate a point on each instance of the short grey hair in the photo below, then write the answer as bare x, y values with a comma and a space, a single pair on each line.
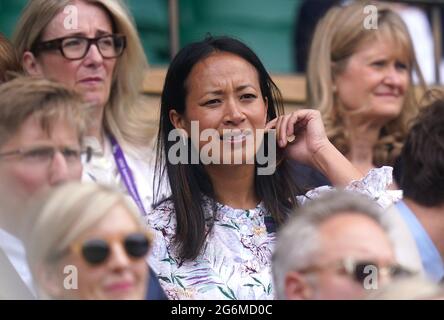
298, 241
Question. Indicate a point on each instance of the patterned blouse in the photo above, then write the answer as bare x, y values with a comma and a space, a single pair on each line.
235, 262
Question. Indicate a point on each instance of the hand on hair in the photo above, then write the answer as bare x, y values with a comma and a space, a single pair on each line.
301, 134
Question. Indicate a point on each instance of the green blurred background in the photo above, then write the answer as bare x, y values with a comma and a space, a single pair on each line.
265, 25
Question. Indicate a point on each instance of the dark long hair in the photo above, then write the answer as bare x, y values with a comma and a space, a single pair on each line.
190, 182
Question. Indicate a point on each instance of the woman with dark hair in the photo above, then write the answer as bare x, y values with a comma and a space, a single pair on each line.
214, 234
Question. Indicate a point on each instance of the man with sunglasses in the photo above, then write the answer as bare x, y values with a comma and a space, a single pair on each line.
42, 125
335, 247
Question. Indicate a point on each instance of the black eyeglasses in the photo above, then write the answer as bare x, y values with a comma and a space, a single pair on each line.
76, 47
97, 251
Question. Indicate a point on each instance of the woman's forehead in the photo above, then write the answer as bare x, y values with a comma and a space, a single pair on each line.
396, 43
81, 18
221, 66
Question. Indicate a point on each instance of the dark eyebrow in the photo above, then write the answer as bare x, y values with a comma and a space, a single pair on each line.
215, 92
245, 86
103, 33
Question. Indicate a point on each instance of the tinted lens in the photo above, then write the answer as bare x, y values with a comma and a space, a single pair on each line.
95, 251
361, 271
398, 271
137, 245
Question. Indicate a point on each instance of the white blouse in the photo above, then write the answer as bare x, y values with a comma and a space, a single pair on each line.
235, 262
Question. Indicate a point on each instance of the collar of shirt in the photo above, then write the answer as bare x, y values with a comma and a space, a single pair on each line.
16, 254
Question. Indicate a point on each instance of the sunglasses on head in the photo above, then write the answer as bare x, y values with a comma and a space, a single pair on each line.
97, 250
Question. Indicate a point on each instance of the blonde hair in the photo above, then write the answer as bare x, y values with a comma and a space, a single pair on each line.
8, 58
336, 38
49, 101
59, 216
124, 116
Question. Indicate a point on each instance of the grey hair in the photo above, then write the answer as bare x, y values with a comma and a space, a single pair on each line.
298, 241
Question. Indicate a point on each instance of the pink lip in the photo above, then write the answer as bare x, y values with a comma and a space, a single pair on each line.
91, 80
121, 286
394, 95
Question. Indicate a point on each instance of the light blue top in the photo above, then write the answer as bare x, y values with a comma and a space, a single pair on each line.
430, 256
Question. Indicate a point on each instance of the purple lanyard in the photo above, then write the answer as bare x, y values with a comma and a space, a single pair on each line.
126, 173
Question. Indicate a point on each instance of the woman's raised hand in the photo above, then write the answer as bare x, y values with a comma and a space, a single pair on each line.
301, 133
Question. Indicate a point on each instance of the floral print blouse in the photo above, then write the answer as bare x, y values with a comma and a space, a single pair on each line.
235, 262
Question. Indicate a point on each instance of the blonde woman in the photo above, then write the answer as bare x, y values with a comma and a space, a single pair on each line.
93, 47
360, 78
86, 241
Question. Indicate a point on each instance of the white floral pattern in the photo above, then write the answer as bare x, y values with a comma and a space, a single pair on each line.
235, 262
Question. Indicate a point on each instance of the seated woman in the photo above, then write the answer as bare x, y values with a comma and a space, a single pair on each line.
214, 236
360, 79
86, 241
103, 59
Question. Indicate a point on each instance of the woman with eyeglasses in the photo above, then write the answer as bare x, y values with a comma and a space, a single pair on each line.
93, 47
86, 241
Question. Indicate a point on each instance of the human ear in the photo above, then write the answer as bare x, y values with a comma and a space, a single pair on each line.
31, 65
177, 120
297, 287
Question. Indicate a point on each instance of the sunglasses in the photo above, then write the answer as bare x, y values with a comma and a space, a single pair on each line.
97, 250
359, 270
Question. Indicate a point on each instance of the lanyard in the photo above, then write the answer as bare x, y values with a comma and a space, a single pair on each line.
126, 173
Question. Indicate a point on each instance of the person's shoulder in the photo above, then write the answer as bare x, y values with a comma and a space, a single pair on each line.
162, 215
166, 204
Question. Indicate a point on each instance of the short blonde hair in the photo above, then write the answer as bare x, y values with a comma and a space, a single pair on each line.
336, 38
59, 216
124, 116
8, 58
47, 100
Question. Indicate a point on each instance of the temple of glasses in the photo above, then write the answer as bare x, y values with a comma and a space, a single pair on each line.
76, 47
